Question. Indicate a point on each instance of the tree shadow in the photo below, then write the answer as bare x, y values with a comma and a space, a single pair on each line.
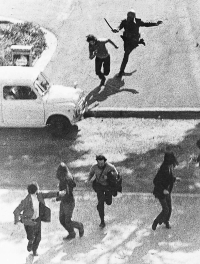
24, 150
112, 86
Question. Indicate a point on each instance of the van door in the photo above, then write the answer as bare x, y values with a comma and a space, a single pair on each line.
22, 107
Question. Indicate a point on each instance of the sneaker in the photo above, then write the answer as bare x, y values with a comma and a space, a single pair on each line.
102, 224
154, 225
103, 81
81, 231
69, 237
167, 225
141, 41
29, 246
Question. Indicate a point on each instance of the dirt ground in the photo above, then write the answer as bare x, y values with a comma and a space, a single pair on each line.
134, 146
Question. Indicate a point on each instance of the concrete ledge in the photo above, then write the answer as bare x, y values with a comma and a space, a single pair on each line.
160, 113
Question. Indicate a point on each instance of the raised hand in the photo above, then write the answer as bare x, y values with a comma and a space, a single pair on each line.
115, 30
159, 22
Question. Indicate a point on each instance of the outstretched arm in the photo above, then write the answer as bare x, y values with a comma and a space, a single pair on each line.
121, 26
91, 174
150, 24
111, 42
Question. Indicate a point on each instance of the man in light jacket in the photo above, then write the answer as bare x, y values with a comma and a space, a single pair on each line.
30, 213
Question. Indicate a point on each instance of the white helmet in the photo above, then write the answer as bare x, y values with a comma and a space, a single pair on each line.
131, 11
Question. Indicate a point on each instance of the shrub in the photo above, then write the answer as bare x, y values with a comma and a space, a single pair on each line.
22, 34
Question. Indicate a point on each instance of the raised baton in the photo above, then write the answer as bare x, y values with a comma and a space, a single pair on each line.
108, 24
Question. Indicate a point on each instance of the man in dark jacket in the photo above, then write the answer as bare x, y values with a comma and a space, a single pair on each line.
131, 35
31, 216
163, 185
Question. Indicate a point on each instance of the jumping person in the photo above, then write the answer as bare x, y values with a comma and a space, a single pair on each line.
100, 171
31, 216
97, 49
131, 35
163, 185
67, 204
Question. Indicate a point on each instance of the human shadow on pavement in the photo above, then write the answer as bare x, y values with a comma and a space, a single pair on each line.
112, 86
128, 236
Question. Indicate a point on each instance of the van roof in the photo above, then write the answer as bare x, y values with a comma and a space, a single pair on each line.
18, 73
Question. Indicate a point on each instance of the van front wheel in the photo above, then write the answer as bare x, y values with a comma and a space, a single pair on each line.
59, 126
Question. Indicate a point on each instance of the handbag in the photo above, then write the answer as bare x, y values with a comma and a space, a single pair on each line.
44, 213
114, 182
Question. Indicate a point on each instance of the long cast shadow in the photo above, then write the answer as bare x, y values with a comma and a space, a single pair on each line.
112, 86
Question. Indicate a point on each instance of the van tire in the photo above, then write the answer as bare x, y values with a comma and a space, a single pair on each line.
59, 126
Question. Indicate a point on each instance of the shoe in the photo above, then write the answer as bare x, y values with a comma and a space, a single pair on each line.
81, 231
141, 41
69, 237
35, 254
114, 193
29, 246
103, 81
154, 225
167, 225
102, 224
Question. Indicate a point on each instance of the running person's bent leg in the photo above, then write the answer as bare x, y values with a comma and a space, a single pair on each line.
98, 65
106, 65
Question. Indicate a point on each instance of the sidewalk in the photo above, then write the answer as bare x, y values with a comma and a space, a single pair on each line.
127, 238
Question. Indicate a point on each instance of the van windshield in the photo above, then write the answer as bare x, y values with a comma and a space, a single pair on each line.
41, 84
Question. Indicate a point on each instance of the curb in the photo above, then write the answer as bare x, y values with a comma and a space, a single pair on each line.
51, 40
159, 113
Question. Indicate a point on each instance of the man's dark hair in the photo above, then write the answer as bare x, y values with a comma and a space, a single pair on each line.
32, 188
91, 38
170, 159
101, 157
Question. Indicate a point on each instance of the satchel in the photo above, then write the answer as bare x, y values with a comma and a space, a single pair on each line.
114, 182
44, 213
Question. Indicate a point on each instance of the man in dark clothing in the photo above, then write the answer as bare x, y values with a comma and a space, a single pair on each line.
67, 204
163, 185
131, 35
97, 49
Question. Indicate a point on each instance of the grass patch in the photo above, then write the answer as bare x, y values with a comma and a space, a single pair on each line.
20, 34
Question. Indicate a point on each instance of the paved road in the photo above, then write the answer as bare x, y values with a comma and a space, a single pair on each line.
127, 238
165, 73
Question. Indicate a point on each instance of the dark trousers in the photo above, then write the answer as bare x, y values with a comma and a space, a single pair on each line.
106, 66
103, 196
34, 234
65, 217
129, 46
165, 214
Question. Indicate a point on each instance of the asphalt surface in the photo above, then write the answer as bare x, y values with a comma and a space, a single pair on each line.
126, 239
164, 73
